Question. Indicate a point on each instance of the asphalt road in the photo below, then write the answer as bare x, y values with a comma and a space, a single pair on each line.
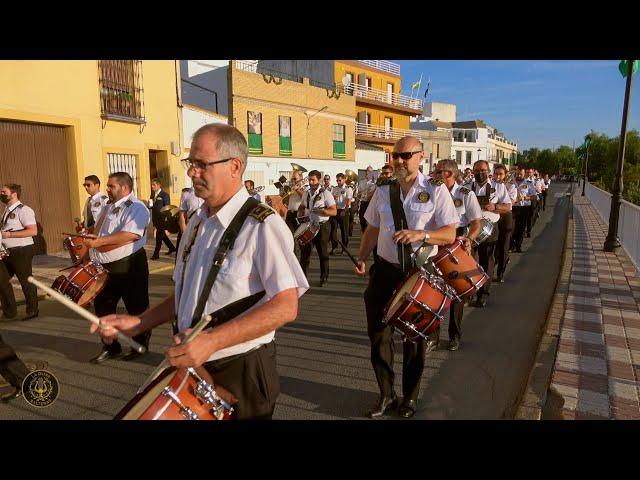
323, 357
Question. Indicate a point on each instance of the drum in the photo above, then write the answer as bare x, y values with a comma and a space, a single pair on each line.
487, 227
4, 253
306, 232
83, 283
168, 219
459, 270
76, 247
179, 394
418, 305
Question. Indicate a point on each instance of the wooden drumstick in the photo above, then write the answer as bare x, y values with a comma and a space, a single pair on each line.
84, 313
355, 262
165, 363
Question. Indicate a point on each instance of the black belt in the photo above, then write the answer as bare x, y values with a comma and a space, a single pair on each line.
123, 265
231, 358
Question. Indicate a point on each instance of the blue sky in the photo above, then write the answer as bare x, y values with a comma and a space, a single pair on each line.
535, 103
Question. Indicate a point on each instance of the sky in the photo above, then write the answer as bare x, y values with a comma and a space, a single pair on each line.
534, 103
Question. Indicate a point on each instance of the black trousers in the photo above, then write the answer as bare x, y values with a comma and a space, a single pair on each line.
363, 226
352, 215
321, 242
520, 215
544, 199
455, 320
384, 279
505, 226
162, 237
485, 257
12, 368
18, 263
253, 379
129, 281
531, 216
341, 220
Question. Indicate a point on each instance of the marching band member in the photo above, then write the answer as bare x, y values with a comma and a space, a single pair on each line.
295, 199
431, 219
366, 188
250, 185
189, 203
533, 207
470, 215
159, 199
545, 187
494, 200
18, 227
343, 196
257, 282
327, 183
94, 204
505, 225
526, 192
122, 228
13, 370
317, 204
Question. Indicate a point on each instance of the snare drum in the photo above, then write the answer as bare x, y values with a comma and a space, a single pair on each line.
305, 233
487, 228
179, 394
4, 253
418, 305
459, 269
76, 248
83, 283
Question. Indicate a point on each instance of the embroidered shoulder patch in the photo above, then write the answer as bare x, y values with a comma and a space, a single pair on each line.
128, 203
435, 182
464, 190
261, 212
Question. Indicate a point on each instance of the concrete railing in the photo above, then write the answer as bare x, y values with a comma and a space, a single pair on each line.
628, 223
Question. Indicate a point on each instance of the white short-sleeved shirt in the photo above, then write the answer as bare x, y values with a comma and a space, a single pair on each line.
498, 195
122, 218
438, 211
315, 199
189, 202
295, 200
17, 217
364, 188
525, 188
533, 184
466, 204
95, 203
546, 183
512, 191
262, 259
341, 195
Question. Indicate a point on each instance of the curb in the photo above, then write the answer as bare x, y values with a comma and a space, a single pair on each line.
535, 395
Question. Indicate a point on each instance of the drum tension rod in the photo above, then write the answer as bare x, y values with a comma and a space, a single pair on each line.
184, 410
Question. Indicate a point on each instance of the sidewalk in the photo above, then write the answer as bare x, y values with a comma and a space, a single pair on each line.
47, 267
595, 324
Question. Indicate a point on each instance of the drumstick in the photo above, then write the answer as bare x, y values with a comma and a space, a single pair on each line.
165, 363
84, 313
355, 262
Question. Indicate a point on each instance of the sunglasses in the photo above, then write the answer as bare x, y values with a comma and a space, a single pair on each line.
404, 155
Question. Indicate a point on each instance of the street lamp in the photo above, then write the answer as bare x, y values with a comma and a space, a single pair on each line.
586, 163
612, 243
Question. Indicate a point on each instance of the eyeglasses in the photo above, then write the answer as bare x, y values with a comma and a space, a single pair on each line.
200, 165
404, 155
438, 172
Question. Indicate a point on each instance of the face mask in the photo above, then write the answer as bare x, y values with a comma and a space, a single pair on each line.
4, 198
480, 177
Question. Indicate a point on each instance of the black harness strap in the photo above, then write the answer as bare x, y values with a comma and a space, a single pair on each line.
400, 223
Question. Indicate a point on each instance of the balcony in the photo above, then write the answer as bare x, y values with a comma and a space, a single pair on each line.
384, 65
379, 134
381, 98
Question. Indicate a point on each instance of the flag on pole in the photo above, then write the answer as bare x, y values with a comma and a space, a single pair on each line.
416, 85
427, 90
624, 67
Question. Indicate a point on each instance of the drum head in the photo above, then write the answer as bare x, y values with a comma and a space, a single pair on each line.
95, 286
301, 229
398, 298
141, 402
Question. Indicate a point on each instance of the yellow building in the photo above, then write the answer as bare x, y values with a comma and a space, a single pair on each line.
63, 120
382, 113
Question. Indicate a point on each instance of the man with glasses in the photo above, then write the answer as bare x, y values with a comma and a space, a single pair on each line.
494, 200
424, 215
327, 183
255, 290
470, 215
94, 204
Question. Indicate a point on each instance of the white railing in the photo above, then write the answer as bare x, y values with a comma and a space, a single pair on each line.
377, 131
383, 65
628, 221
362, 91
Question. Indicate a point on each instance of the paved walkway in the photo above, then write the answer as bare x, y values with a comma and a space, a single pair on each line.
597, 367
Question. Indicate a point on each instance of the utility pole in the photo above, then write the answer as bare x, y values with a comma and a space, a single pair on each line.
612, 243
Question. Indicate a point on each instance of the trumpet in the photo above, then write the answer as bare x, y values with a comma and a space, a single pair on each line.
253, 191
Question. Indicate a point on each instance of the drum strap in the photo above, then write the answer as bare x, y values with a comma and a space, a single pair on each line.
400, 223
226, 243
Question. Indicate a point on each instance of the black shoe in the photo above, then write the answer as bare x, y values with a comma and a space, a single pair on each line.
383, 405
29, 316
323, 281
432, 345
499, 279
106, 355
133, 354
9, 316
481, 302
155, 256
454, 344
9, 392
408, 408
171, 250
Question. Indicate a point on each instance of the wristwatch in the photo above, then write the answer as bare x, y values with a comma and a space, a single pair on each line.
426, 237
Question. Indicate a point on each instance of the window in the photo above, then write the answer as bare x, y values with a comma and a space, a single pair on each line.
254, 120
285, 136
338, 141
118, 162
435, 147
349, 83
468, 162
468, 136
459, 157
121, 90
388, 125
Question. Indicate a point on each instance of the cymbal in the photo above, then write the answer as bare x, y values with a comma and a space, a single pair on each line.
300, 168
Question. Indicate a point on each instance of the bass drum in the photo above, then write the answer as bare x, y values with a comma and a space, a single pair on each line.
83, 283
180, 394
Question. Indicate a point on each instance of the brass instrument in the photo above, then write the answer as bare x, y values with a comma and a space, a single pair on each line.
253, 191
168, 219
350, 177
